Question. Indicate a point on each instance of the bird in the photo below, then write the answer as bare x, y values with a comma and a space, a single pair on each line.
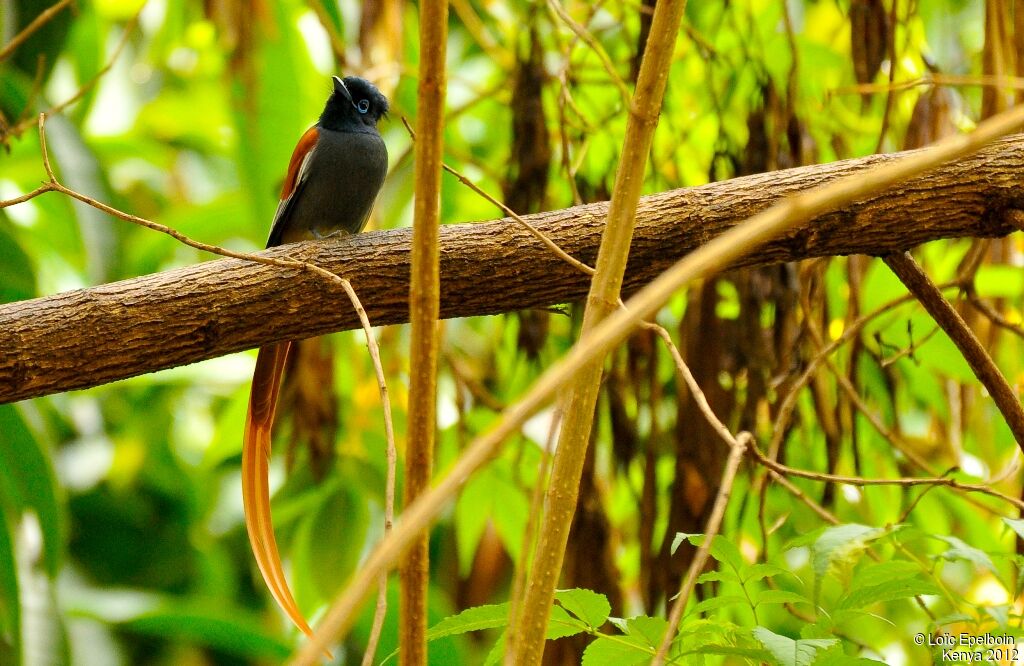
333, 179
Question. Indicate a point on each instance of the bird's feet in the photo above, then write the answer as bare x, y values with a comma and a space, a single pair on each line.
331, 234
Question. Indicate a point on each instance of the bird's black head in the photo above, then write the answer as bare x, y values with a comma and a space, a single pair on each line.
355, 105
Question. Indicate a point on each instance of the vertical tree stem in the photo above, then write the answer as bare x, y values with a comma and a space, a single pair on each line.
526, 644
424, 306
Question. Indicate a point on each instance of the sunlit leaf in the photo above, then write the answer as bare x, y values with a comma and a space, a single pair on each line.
471, 619
624, 651
788, 652
589, 606
958, 550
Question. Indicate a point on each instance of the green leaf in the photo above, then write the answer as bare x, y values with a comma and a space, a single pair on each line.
472, 511
719, 575
680, 537
489, 497
779, 597
477, 618
512, 514
722, 601
493, 616
840, 545
763, 570
789, 652
589, 606
561, 624
1015, 524
958, 550
649, 629
878, 573
859, 597
18, 282
618, 650
753, 654
835, 656
1000, 613
180, 620
726, 551
27, 481
497, 651
327, 544
10, 607
339, 530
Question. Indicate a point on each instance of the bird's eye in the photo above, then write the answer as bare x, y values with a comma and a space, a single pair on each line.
363, 106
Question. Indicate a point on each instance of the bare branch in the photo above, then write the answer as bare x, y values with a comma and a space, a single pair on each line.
88, 337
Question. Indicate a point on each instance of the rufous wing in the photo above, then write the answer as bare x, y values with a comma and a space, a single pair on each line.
298, 169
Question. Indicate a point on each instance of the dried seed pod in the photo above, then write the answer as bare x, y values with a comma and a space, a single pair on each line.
869, 35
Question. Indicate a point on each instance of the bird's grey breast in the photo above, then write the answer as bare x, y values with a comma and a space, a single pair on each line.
345, 175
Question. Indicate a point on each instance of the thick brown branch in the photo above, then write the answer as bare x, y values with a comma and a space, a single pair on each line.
92, 336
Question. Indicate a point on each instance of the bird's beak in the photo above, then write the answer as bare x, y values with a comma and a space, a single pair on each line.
339, 88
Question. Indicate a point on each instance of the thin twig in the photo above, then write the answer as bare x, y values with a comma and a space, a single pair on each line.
795, 491
714, 523
392, 456
991, 313
54, 185
885, 431
957, 80
42, 189
333, 38
20, 127
38, 22
595, 46
910, 350
691, 382
985, 369
737, 448
858, 402
471, 21
785, 411
551, 245
903, 482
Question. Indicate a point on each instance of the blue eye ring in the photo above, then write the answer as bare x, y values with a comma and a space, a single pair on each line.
363, 106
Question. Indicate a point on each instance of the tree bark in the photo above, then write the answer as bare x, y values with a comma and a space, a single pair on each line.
88, 337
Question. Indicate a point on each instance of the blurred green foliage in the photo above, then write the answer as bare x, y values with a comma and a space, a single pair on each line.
121, 533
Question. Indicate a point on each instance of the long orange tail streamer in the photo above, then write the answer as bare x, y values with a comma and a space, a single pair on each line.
266, 384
